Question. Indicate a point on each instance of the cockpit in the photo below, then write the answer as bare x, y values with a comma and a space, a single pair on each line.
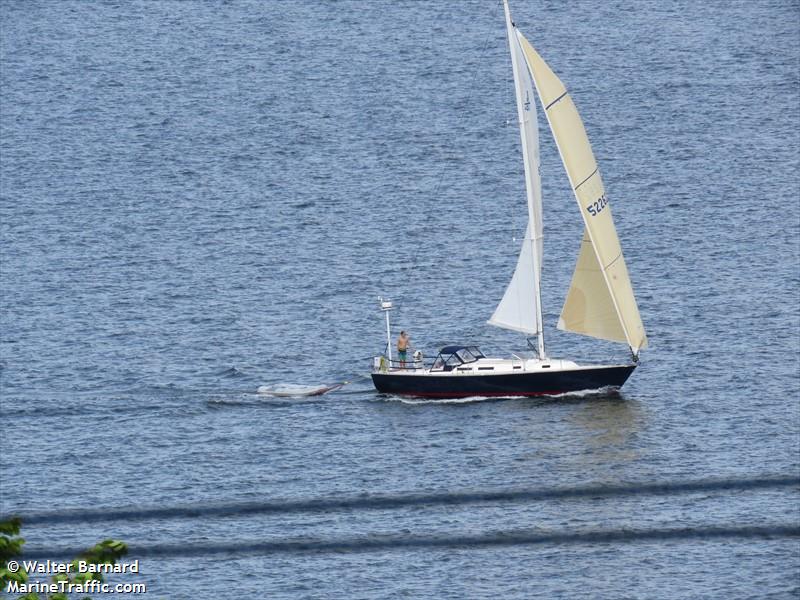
451, 357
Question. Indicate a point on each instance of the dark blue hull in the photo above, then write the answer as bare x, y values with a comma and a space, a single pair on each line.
502, 384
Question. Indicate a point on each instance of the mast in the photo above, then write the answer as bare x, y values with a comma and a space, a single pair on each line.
533, 192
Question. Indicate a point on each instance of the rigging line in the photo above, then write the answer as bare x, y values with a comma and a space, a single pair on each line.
459, 119
525, 537
400, 501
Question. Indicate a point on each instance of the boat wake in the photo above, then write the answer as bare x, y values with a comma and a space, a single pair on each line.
255, 400
467, 400
606, 392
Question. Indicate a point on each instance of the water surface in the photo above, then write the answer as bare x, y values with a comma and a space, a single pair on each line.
198, 199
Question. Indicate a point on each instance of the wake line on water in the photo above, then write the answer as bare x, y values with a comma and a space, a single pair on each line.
576, 395
262, 400
467, 400
508, 538
401, 501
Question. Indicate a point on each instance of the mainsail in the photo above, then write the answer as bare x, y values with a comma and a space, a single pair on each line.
520, 308
601, 284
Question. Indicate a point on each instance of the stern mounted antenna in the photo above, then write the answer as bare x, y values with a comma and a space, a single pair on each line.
386, 308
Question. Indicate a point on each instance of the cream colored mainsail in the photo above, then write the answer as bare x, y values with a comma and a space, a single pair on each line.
603, 283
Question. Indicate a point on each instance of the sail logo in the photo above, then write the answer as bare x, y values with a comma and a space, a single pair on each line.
595, 207
527, 104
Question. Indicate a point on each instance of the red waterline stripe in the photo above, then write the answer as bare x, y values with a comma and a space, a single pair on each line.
478, 395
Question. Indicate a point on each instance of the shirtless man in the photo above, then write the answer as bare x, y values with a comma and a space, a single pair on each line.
402, 348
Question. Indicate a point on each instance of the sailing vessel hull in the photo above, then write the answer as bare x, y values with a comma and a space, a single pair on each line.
427, 385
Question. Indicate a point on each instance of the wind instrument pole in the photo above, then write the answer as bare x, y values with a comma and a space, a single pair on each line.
386, 307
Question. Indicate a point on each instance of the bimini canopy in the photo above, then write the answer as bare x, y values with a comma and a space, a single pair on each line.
453, 356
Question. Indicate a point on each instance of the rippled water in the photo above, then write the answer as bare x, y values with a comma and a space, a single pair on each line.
198, 199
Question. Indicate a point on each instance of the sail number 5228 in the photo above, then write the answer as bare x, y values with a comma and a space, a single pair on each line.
595, 207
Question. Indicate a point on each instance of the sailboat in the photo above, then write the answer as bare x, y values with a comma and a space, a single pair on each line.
600, 301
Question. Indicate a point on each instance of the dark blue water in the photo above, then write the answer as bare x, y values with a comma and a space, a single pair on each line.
198, 199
